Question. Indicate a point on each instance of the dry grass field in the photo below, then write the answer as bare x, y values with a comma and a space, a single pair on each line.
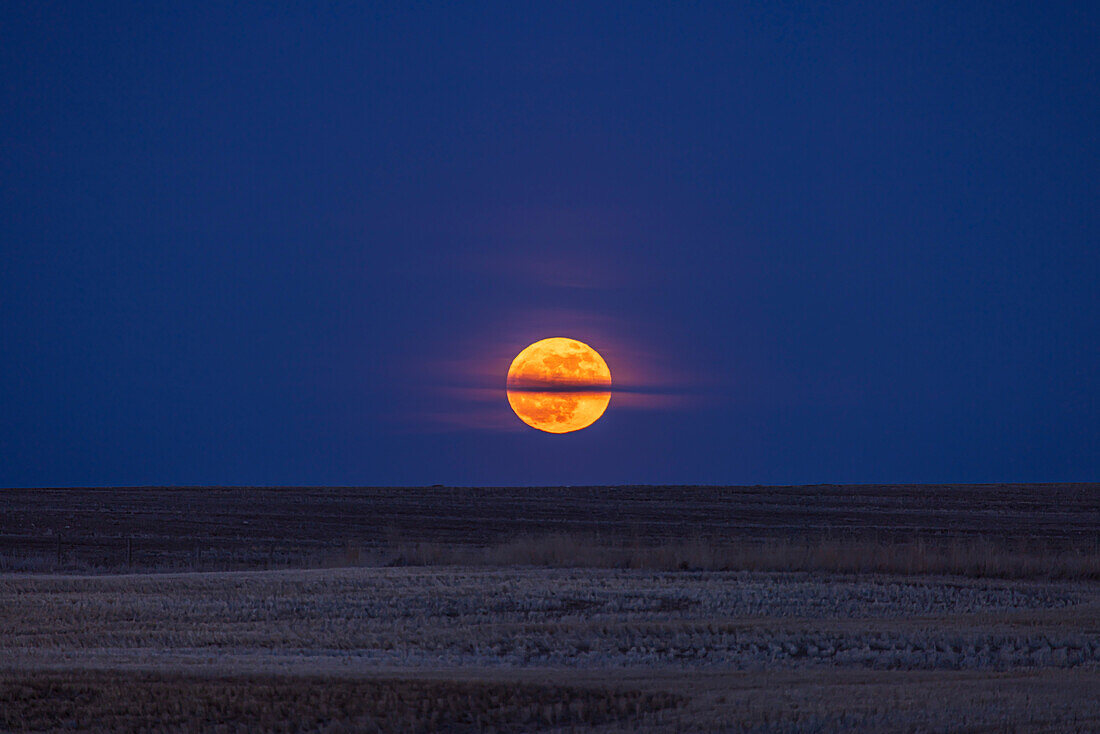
887, 627
154, 529
720, 650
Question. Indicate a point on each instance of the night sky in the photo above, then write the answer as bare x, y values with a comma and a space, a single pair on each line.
301, 245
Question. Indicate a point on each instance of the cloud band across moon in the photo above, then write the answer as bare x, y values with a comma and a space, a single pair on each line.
468, 392
559, 385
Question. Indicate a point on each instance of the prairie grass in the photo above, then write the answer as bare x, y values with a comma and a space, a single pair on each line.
975, 558
515, 617
434, 648
1006, 531
972, 557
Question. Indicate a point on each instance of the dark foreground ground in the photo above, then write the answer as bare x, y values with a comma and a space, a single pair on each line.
89, 701
502, 613
119, 701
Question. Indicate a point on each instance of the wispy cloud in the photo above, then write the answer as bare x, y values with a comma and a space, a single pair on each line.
469, 390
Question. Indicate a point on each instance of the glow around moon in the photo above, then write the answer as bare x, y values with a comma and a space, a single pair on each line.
559, 385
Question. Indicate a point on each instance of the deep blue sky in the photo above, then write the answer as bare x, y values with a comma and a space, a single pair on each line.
838, 243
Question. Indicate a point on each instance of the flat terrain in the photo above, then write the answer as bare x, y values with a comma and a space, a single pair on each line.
238, 528
544, 646
692, 651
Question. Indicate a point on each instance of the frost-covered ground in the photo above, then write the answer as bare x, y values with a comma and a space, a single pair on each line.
695, 633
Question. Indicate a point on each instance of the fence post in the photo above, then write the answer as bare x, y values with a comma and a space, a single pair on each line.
59, 550
129, 552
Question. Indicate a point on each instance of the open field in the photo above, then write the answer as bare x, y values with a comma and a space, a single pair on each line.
576, 618
727, 651
632, 626
149, 529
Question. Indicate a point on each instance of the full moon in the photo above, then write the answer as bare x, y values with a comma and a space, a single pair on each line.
559, 385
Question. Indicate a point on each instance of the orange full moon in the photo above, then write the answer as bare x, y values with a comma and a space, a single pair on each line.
559, 385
